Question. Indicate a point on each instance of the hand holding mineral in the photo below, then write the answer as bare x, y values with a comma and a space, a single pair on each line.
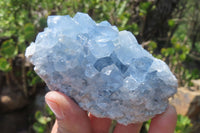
70, 118
104, 70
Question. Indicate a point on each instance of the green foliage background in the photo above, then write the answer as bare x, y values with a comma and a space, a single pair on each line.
21, 20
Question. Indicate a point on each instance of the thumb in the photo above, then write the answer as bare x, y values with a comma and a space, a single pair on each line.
70, 117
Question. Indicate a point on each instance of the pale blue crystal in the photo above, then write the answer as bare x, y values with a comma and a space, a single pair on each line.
104, 70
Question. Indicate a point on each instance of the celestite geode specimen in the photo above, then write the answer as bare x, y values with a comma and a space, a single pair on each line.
104, 70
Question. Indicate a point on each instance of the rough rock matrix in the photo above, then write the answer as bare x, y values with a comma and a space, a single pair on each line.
104, 70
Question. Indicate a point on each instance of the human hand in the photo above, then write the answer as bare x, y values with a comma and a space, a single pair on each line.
70, 118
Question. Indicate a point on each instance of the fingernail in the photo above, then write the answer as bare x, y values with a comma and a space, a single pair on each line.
55, 108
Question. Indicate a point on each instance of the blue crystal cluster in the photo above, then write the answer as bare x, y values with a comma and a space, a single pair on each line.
104, 70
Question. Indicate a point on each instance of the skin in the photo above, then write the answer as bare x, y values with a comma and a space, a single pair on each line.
70, 118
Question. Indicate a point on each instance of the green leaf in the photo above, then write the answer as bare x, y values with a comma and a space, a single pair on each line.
173, 40
171, 51
4, 65
124, 21
177, 46
36, 80
49, 112
42, 119
43, 22
183, 124
147, 125
122, 8
38, 114
182, 57
143, 7
152, 45
38, 128
29, 31
171, 23
33, 78
8, 50
22, 47
135, 28
174, 60
195, 73
164, 52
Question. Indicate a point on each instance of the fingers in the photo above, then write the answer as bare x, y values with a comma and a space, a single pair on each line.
131, 128
70, 117
165, 122
99, 125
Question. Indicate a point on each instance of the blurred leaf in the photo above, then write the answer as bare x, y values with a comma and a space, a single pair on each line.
29, 31
197, 46
187, 74
159, 56
124, 21
173, 40
4, 65
171, 51
171, 23
182, 57
152, 46
178, 46
48, 110
143, 7
8, 50
42, 119
164, 52
42, 22
38, 114
36, 80
33, 78
38, 128
22, 47
122, 8
183, 124
174, 60
135, 28
147, 125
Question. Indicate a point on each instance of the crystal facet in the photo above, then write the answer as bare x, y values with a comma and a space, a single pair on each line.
104, 70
